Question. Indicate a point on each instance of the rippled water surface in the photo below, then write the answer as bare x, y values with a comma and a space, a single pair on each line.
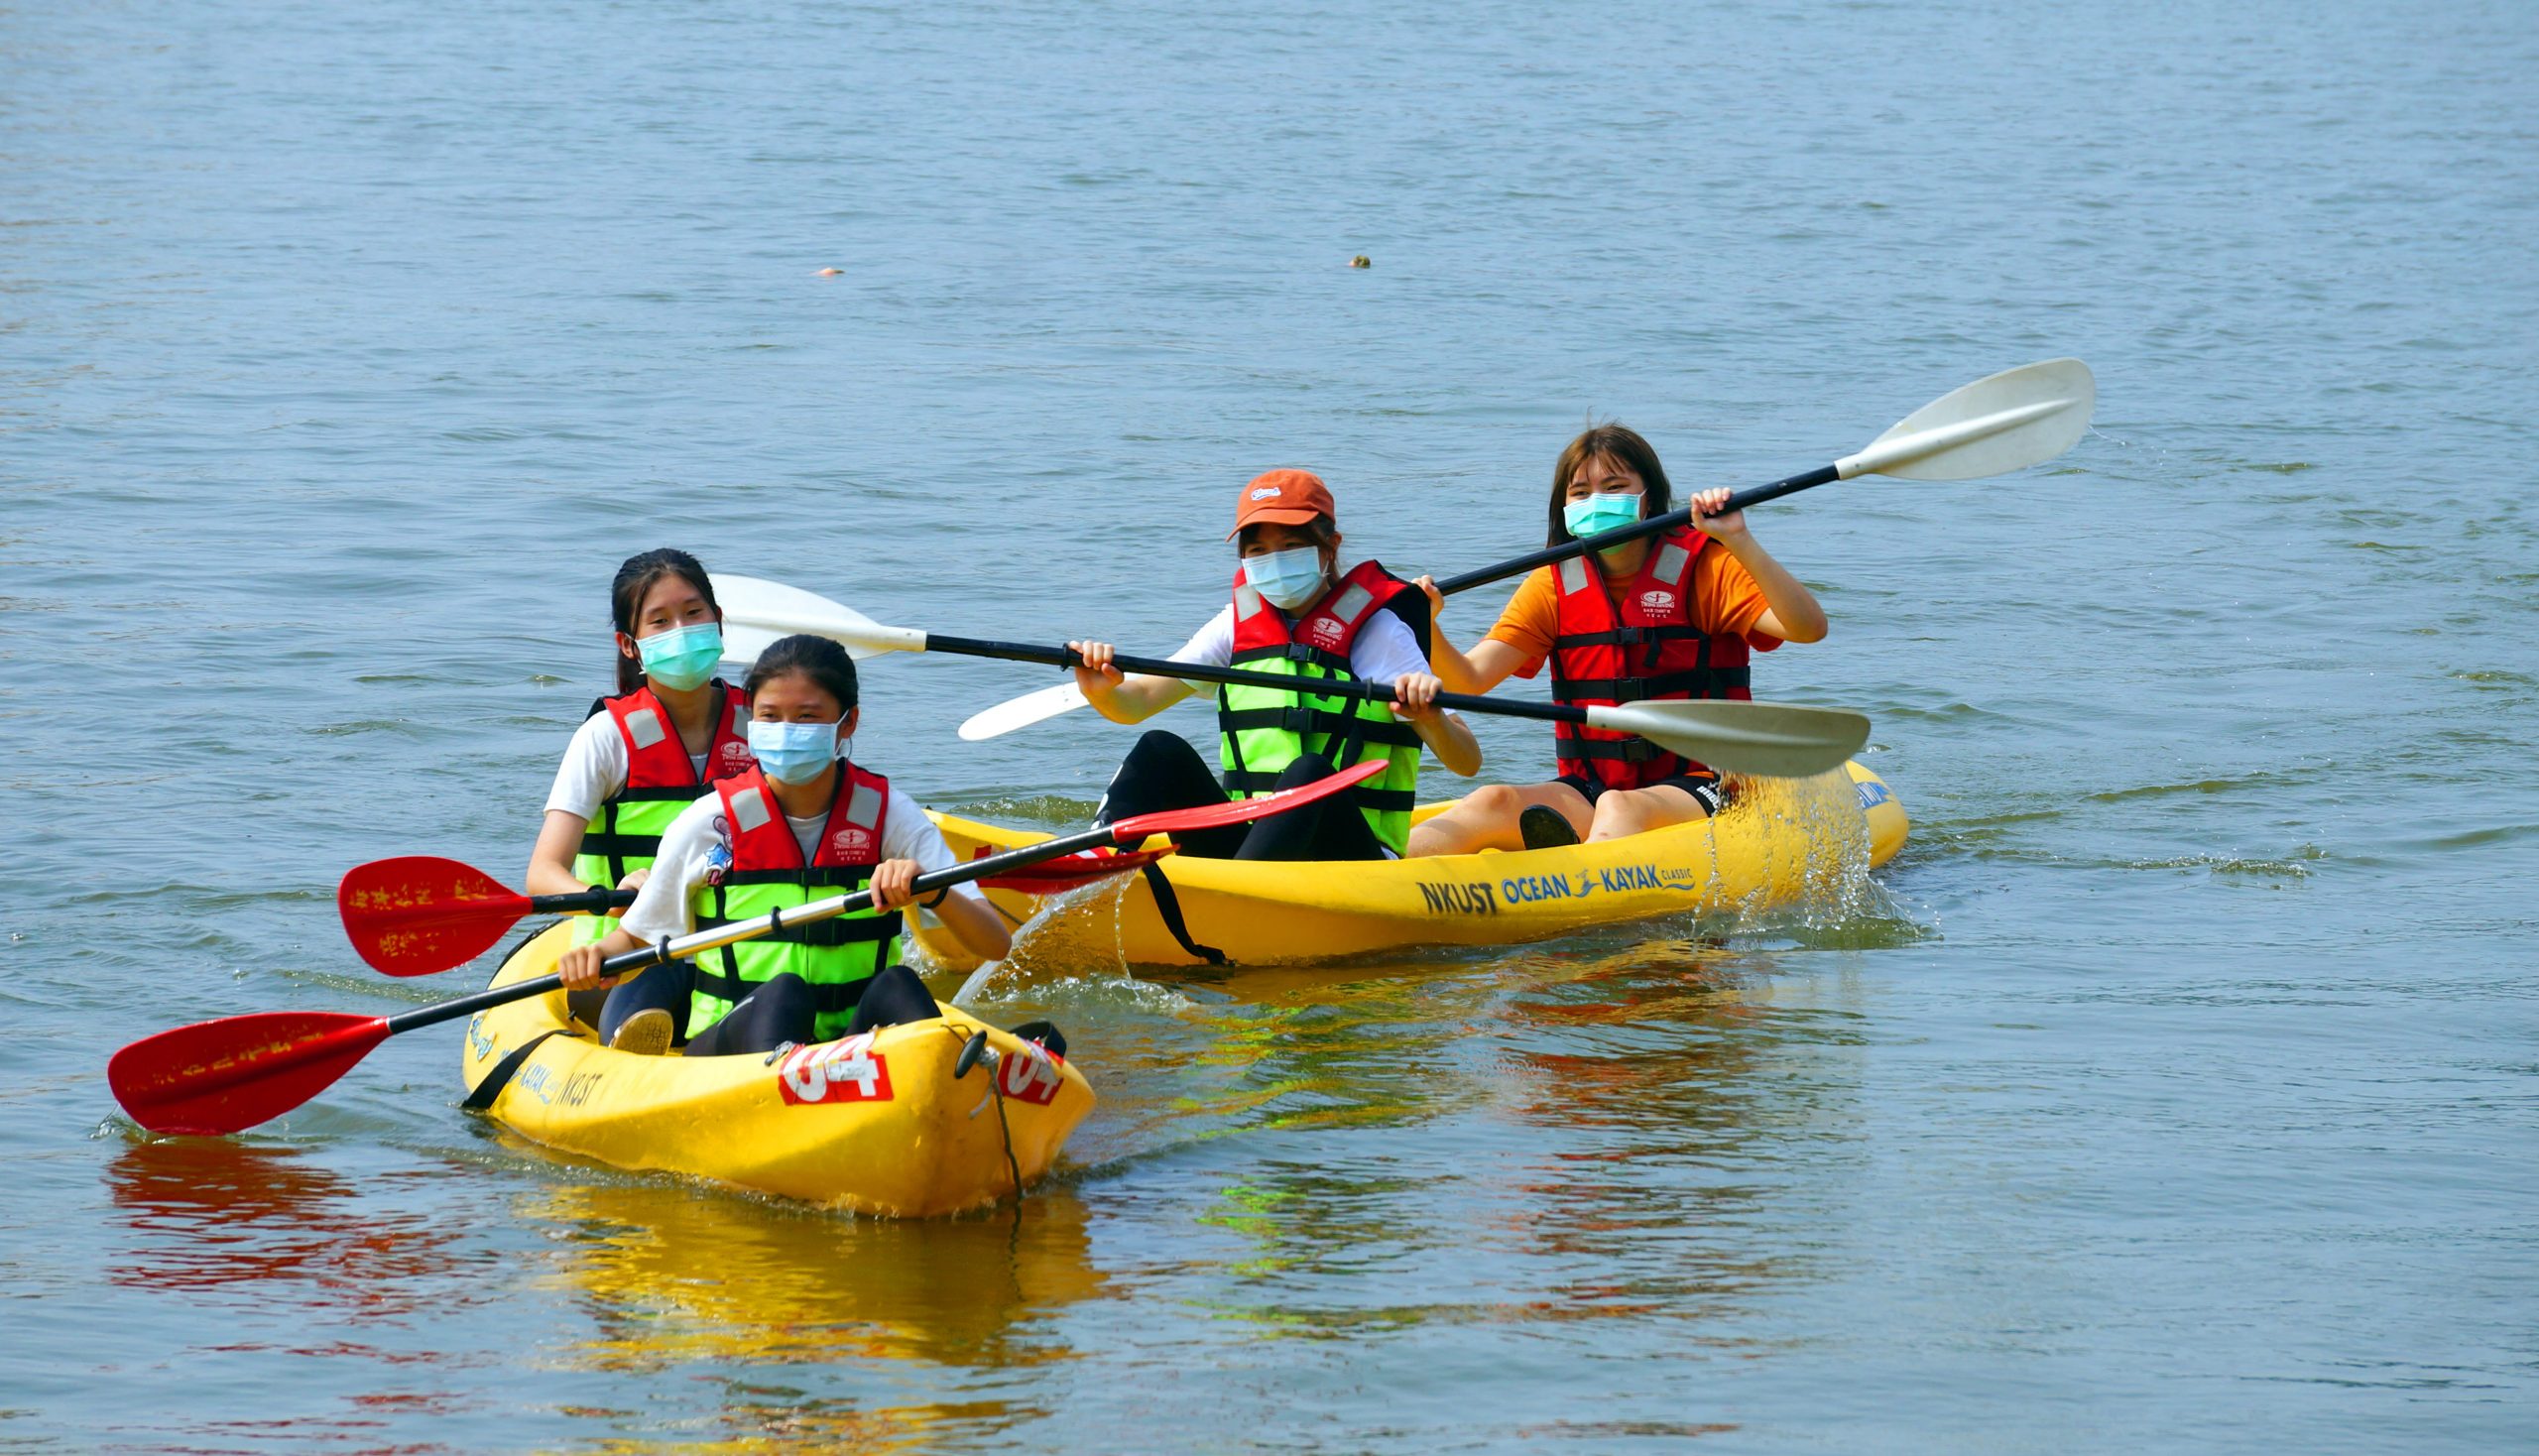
2173, 1091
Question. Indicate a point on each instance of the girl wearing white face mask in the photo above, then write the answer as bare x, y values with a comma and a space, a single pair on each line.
1294, 614
1672, 616
647, 753
806, 823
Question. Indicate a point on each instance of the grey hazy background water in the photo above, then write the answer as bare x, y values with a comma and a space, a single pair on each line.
2178, 1096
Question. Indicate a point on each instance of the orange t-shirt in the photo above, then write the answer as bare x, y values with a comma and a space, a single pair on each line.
1726, 603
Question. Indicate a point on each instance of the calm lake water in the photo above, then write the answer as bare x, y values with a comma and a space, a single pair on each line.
2174, 1091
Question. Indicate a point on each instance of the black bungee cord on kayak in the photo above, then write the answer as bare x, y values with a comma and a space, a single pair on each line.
973, 1050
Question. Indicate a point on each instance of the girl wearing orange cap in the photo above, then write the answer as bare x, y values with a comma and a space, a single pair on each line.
1294, 614
1672, 616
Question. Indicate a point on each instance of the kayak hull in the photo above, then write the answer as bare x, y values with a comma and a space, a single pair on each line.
1770, 846
876, 1124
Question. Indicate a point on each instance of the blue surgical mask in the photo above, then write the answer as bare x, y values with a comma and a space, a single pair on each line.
794, 753
1289, 579
683, 657
1600, 513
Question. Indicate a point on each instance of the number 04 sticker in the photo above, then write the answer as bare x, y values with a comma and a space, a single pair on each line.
835, 1071
1030, 1076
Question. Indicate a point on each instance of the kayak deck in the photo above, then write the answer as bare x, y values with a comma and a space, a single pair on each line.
1774, 842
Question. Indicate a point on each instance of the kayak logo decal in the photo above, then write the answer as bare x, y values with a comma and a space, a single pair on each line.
480, 1042
1029, 1076
1469, 898
832, 1073
555, 1089
1871, 795
1485, 897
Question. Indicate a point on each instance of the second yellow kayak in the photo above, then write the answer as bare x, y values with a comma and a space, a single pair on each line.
1774, 842
879, 1123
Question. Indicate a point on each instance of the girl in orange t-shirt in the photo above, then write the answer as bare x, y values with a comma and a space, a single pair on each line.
1607, 478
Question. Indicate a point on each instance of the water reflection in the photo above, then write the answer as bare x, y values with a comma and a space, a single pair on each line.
1680, 1096
268, 1225
1609, 1137
775, 1308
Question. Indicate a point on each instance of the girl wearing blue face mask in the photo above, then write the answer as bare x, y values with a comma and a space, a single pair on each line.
1294, 614
641, 756
1672, 616
806, 823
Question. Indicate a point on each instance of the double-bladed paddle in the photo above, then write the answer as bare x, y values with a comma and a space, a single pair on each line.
1782, 740
419, 914
1999, 423
219, 1077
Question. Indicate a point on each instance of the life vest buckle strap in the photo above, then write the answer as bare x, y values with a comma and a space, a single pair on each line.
1296, 720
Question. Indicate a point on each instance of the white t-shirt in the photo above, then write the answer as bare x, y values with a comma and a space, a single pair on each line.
594, 770
661, 907
1383, 650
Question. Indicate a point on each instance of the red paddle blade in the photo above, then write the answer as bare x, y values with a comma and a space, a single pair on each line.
1243, 810
217, 1077
418, 914
1073, 871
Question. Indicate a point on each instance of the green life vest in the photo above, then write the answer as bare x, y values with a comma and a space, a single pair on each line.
661, 781
1262, 730
767, 873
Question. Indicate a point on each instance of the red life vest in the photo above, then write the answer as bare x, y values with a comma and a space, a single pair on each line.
767, 872
1654, 651
1317, 643
657, 770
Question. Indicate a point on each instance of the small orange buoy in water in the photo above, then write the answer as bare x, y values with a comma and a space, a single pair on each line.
1362, 261
828, 272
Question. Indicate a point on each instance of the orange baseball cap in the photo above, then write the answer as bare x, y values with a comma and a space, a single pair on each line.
1287, 497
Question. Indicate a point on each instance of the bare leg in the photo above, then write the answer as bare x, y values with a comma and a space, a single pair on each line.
1486, 818
1639, 811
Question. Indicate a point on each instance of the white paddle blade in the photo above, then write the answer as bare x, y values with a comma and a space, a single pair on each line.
2008, 422
1769, 740
757, 612
1022, 712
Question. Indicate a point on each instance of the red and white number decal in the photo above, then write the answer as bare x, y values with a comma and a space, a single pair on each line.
1030, 1076
835, 1071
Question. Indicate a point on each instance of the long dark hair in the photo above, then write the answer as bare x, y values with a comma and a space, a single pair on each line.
816, 657
635, 582
1612, 442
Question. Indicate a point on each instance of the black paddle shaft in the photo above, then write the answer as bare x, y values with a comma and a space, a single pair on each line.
703, 940
1607, 539
593, 899
1382, 692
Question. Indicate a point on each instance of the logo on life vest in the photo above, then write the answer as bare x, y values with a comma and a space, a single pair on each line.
737, 760
1324, 632
1658, 601
835, 1071
1267, 493
1030, 1076
852, 842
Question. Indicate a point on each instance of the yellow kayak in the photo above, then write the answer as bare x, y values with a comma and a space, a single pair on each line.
875, 1124
1775, 843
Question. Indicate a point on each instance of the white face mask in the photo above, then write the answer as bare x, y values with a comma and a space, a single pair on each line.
1289, 579
794, 753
